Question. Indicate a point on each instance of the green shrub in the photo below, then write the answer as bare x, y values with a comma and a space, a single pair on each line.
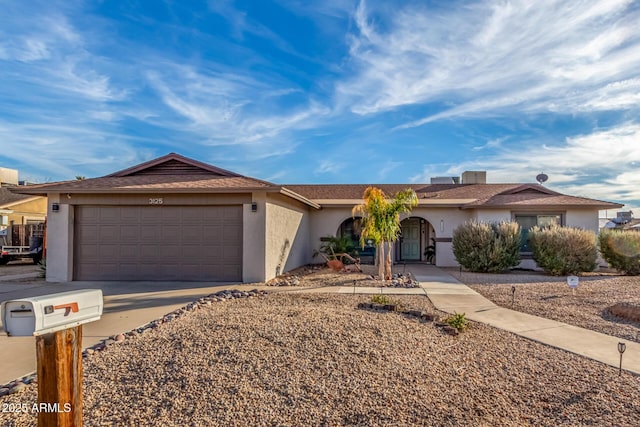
42, 267
458, 321
621, 250
487, 247
563, 250
380, 299
336, 245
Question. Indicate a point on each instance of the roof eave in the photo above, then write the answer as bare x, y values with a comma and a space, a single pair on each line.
21, 201
285, 191
546, 207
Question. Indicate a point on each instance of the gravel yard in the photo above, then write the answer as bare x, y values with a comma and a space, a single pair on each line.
550, 297
321, 276
286, 359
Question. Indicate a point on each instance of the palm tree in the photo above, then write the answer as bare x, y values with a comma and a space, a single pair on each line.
403, 202
381, 219
372, 212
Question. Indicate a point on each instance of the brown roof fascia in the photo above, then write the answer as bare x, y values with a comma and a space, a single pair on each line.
285, 191
173, 156
533, 207
21, 201
273, 189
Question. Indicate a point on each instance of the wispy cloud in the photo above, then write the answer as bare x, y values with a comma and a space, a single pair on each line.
603, 164
229, 108
494, 57
329, 167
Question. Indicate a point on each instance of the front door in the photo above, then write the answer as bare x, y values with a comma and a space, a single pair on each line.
410, 249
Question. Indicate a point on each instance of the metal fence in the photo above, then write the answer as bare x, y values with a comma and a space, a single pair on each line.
23, 234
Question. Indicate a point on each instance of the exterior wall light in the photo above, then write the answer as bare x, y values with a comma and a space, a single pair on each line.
254, 207
55, 207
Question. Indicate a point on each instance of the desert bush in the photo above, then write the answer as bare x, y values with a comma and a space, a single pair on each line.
487, 247
563, 250
380, 299
458, 321
621, 250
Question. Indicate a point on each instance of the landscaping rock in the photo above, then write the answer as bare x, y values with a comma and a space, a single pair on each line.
17, 387
332, 365
626, 311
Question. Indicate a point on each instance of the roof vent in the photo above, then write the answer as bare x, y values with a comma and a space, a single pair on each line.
474, 177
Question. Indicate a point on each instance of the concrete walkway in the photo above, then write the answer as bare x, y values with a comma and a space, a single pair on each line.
449, 295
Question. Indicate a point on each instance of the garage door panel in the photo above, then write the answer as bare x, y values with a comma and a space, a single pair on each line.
108, 232
158, 243
110, 216
111, 252
171, 233
89, 251
168, 214
131, 214
129, 251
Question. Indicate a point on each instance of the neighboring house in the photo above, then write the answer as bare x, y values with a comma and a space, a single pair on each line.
623, 221
175, 218
17, 211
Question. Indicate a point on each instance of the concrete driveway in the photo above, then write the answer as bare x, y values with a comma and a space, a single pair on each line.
127, 305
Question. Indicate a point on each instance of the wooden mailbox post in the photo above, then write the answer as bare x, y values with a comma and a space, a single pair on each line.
56, 321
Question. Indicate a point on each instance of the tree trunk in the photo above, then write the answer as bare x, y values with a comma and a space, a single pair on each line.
381, 261
387, 270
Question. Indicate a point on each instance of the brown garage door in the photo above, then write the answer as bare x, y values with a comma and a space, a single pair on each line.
201, 243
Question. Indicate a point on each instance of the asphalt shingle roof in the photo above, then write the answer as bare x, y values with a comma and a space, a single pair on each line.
7, 197
180, 174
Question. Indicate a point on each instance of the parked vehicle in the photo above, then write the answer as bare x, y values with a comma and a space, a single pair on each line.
14, 253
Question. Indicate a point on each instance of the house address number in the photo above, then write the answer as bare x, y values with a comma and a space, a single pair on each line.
155, 200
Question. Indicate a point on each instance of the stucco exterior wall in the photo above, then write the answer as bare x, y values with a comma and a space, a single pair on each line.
253, 238
443, 220
35, 210
59, 242
322, 223
492, 215
582, 218
287, 236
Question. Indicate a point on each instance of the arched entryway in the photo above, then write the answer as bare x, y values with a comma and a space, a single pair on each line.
352, 229
416, 242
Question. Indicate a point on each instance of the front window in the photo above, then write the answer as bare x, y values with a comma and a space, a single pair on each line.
528, 221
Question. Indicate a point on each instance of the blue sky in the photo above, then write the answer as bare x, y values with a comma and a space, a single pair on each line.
296, 91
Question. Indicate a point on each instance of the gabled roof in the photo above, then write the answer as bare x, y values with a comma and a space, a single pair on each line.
535, 195
9, 198
170, 173
176, 173
173, 164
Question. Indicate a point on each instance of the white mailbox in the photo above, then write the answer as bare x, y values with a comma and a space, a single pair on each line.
50, 313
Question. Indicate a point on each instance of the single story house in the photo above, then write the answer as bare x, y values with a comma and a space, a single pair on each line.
175, 218
19, 213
